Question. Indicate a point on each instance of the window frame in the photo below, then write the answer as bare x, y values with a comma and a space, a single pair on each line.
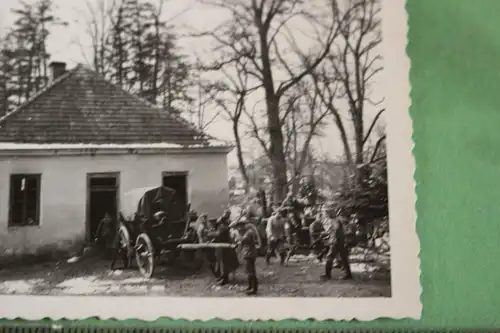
38, 178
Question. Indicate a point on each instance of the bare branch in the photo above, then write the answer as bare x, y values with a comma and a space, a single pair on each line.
377, 147
370, 129
256, 131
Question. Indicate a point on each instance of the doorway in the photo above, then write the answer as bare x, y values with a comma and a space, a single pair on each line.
178, 182
102, 198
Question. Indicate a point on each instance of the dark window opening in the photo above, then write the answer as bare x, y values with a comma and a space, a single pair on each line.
177, 182
103, 182
24, 200
102, 200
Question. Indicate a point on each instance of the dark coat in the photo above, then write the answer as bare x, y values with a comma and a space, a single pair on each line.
249, 244
334, 230
222, 233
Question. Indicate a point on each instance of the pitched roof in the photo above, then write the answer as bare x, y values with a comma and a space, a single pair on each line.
81, 107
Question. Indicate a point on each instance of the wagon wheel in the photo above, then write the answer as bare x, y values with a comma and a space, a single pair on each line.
124, 245
123, 248
144, 255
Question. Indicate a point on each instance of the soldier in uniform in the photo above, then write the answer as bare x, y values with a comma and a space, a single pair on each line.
316, 230
248, 244
295, 209
276, 233
225, 258
204, 232
105, 233
225, 217
335, 239
263, 203
202, 228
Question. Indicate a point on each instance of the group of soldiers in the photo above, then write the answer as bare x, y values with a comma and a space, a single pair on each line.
283, 223
225, 260
327, 237
327, 240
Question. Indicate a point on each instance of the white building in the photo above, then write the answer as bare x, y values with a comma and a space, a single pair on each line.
71, 151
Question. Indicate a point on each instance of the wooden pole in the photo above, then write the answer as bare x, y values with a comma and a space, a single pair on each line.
206, 246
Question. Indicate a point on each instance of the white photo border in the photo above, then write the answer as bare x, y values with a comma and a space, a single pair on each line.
405, 247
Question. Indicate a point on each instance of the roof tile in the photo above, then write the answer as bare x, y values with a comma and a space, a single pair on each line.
82, 107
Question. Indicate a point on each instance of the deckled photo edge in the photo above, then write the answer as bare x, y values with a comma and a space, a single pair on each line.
401, 160
405, 265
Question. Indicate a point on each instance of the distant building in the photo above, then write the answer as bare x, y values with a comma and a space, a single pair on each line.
69, 153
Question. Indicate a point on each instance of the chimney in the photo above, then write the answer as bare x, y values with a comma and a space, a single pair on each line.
56, 69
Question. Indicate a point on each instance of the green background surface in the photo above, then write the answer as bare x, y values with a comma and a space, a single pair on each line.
454, 46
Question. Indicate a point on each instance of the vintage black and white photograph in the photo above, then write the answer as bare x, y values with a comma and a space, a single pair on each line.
234, 154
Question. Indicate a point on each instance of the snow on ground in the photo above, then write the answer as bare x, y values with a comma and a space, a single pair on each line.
79, 286
299, 278
19, 286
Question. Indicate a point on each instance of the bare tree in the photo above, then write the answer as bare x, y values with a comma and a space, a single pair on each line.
133, 45
97, 26
347, 74
301, 118
202, 113
303, 123
258, 31
230, 95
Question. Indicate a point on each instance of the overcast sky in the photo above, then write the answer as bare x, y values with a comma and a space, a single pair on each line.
69, 44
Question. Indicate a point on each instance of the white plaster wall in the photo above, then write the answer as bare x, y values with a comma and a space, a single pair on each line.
64, 191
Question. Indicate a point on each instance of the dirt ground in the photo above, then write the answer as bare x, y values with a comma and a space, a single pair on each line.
92, 276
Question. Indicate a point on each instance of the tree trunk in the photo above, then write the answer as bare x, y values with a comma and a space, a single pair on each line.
276, 151
239, 155
359, 138
345, 141
296, 168
3, 96
29, 75
276, 148
358, 132
44, 53
156, 61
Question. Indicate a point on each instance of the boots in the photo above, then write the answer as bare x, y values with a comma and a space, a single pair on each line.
223, 280
282, 259
290, 253
348, 274
345, 265
328, 271
250, 284
253, 286
268, 259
